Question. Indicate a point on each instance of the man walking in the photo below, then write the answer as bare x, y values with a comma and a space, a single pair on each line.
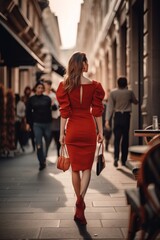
119, 103
55, 113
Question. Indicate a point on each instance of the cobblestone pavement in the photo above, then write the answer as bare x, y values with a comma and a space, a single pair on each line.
40, 205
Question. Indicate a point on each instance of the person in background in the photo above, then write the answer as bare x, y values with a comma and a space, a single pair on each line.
119, 103
80, 101
20, 121
28, 92
55, 113
38, 113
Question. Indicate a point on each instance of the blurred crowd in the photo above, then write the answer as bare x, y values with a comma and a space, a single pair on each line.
15, 135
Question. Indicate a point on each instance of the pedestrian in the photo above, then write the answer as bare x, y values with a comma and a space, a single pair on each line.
119, 103
80, 102
20, 109
38, 113
28, 92
55, 113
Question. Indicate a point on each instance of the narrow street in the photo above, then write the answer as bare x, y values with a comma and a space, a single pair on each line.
40, 205
113, 39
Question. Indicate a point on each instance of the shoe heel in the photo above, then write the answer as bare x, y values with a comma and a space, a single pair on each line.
79, 214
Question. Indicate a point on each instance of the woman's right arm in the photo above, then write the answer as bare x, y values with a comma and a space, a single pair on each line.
62, 130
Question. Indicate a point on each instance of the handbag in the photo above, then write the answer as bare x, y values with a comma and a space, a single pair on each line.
100, 165
63, 162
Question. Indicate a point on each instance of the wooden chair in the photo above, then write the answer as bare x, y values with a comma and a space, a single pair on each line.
136, 153
147, 140
144, 201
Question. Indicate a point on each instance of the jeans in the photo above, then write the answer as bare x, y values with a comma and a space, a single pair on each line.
42, 130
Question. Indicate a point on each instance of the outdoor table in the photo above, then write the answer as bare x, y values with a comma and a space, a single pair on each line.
146, 133
137, 152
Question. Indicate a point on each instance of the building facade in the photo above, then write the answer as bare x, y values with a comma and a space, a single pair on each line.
29, 43
121, 37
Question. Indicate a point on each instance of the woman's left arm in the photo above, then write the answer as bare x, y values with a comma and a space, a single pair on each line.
100, 129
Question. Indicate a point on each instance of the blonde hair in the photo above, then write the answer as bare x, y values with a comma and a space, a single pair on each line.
74, 71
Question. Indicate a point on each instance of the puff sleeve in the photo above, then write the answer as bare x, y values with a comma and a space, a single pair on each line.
97, 105
64, 102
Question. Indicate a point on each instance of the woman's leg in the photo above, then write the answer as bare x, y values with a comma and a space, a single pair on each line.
85, 180
76, 181
80, 185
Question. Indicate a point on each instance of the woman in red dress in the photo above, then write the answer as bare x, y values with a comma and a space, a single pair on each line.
81, 108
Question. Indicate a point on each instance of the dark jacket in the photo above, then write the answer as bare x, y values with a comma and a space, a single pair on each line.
38, 109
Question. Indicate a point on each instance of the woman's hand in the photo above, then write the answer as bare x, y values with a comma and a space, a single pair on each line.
100, 137
62, 139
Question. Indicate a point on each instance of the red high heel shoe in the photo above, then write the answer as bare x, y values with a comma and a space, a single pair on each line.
79, 215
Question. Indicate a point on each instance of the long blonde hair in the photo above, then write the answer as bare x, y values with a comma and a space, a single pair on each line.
74, 71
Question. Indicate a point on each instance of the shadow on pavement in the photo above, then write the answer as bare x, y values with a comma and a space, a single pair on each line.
128, 174
24, 186
83, 231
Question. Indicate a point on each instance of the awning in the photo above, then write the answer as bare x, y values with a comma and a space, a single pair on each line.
14, 51
58, 67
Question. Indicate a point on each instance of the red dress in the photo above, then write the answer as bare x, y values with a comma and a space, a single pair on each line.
80, 106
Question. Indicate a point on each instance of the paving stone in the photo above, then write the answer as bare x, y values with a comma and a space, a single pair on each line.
81, 232
114, 216
99, 209
41, 205
19, 234
71, 223
110, 203
112, 223
28, 224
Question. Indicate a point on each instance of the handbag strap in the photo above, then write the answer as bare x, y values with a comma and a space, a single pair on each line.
101, 145
63, 150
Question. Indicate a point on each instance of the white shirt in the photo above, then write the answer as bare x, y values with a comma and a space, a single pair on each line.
20, 110
55, 113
